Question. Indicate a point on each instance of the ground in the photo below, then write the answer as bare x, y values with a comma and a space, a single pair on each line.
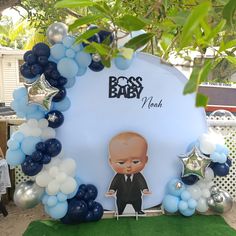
18, 220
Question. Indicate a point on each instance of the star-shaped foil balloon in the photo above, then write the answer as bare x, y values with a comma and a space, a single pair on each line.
194, 163
41, 92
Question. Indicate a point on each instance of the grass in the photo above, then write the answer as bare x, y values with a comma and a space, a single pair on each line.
198, 225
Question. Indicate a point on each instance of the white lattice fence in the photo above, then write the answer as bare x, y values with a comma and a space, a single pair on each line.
228, 182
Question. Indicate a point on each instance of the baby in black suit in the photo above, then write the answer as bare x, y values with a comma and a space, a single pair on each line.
128, 156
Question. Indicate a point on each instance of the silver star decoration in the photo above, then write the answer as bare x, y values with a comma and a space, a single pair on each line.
194, 163
52, 117
41, 92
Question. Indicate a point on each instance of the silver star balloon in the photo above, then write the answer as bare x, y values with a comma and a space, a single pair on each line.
194, 163
41, 92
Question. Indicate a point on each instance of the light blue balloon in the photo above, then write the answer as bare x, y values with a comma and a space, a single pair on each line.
173, 189
77, 47
68, 41
192, 203
192, 145
20, 114
81, 71
52, 201
18, 136
222, 149
187, 212
64, 105
83, 59
215, 156
70, 53
183, 205
58, 211
22, 104
170, 203
67, 67
38, 115
52, 59
28, 144
122, 63
70, 82
13, 105
45, 198
58, 51
19, 93
61, 197
13, 144
15, 157
31, 108
185, 195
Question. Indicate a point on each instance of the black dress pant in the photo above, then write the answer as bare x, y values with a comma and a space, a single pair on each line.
121, 204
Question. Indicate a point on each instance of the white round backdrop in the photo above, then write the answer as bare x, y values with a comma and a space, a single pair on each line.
167, 119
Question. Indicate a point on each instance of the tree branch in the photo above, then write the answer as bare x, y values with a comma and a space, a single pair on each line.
4, 4
73, 13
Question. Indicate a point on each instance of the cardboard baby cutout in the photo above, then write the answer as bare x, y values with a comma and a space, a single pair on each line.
128, 157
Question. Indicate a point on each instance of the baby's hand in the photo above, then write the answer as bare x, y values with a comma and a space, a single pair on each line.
110, 193
146, 191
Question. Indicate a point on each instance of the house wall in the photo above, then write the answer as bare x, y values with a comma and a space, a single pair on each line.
9, 76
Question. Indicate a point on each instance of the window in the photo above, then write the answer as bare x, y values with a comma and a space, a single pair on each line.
21, 78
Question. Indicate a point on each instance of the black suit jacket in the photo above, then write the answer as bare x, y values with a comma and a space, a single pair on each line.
127, 192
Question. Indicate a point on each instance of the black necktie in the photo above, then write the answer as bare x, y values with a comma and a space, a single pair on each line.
128, 181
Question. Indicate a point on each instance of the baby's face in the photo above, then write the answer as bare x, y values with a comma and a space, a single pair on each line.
128, 157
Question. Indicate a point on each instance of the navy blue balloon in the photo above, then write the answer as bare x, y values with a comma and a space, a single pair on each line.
229, 162
89, 217
53, 147
31, 168
67, 220
96, 66
41, 49
97, 211
190, 179
92, 191
83, 187
43, 60
41, 147
26, 54
91, 204
25, 70
55, 118
220, 169
62, 81
36, 69
60, 95
52, 82
77, 210
55, 74
31, 59
46, 159
103, 35
37, 156
80, 194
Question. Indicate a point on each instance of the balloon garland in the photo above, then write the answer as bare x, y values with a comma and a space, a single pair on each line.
195, 190
48, 73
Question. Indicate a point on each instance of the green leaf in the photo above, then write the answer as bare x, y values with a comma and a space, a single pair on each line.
74, 3
216, 30
201, 100
192, 22
106, 61
127, 53
102, 49
227, 45
198, 76
228, 11
131, 23
84, 20
86, 35
139, 41
231, 59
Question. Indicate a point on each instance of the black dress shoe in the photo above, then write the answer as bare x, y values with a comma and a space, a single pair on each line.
3, 209
141, 213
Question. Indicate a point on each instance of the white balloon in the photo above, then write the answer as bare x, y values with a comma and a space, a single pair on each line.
68, 186
24, 128
201, 184
53, 188
32, 123
61, 177
209, 174
206, 193
207, 146
43, 123
202, 205
48, 133
53, 171
54, 162
68, 166
195, 191
36, 132
210, 184
43, 179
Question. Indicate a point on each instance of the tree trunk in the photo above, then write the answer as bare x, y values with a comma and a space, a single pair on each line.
4, 4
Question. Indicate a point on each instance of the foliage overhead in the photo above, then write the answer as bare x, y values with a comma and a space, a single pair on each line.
180, 28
